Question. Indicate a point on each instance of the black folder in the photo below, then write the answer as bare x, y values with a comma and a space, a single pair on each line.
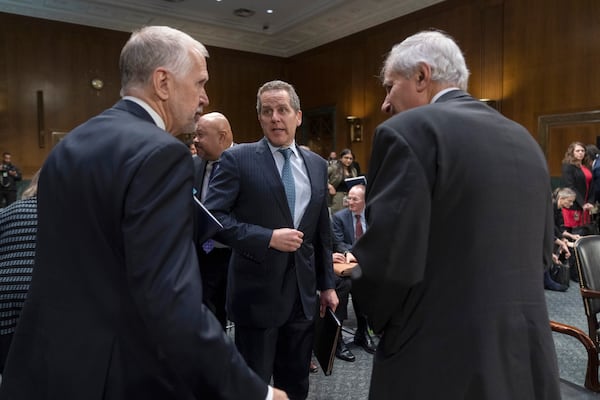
208, 225
359, 180
327, 332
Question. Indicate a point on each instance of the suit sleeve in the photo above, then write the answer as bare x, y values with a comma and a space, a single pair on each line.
164, 280
392, 253
337, 227
250, 240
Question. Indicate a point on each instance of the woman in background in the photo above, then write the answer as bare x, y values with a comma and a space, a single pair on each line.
577, 176
18, 229
338, 171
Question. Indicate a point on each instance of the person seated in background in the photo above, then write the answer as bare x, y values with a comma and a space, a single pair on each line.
347, 226
564, 198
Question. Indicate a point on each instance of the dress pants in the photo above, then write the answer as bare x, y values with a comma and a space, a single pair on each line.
342, 289
213, 268
283, 352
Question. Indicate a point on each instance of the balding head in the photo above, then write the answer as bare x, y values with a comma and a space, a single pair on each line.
356, 199
213, 135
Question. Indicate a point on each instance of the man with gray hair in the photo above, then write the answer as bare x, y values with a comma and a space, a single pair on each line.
450, 266
115, 311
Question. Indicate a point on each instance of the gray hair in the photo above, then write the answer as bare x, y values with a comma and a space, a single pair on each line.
561, 193
434, 48
278, 85
152, 47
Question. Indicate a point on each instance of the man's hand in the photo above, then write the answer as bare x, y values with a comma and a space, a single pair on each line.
286, 239
350, 258
279, 394
338, 258
328, 299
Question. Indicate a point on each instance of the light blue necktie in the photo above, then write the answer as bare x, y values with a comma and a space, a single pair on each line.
288, 179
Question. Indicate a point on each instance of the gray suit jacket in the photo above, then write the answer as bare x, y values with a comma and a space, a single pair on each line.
460, 226
248, 198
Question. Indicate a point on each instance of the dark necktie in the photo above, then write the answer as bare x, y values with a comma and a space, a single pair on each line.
359, 230
215, 166
210, 244
288, 179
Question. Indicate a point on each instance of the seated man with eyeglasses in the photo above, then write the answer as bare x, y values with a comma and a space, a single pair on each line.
347, 227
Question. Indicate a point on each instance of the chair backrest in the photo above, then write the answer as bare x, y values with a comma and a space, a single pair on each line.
587, 252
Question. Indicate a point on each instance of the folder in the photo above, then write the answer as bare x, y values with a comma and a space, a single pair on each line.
327, 332
359, 180
208, 225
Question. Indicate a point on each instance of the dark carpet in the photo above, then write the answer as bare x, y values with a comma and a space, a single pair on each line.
350, 380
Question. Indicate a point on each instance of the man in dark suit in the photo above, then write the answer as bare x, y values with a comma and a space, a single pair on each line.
115, 309
271, 198
460, 223
347, 226
213, 136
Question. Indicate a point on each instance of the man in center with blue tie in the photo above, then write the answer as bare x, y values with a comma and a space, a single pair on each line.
271, 198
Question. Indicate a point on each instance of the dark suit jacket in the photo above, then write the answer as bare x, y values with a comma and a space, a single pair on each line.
460, 224
116, 308
248, 198
342, 226
574, 178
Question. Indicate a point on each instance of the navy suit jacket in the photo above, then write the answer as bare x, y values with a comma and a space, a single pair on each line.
342, 225
115, 310
248, 198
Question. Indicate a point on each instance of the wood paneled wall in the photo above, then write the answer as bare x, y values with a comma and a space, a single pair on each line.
536, 57
61, 60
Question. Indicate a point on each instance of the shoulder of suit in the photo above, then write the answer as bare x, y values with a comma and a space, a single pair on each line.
342, 213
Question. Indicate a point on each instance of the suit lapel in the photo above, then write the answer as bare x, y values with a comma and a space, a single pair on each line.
271, 173
312, 172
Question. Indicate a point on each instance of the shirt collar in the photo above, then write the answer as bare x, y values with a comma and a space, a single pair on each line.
291, 146
441, 93
155, 117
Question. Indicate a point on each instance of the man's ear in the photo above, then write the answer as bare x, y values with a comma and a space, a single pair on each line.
161, 81
422, 76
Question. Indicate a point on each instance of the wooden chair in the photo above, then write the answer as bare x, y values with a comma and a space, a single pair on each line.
591, 373
587, 255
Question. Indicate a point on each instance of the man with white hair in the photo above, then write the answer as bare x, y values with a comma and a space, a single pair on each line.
460, 220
